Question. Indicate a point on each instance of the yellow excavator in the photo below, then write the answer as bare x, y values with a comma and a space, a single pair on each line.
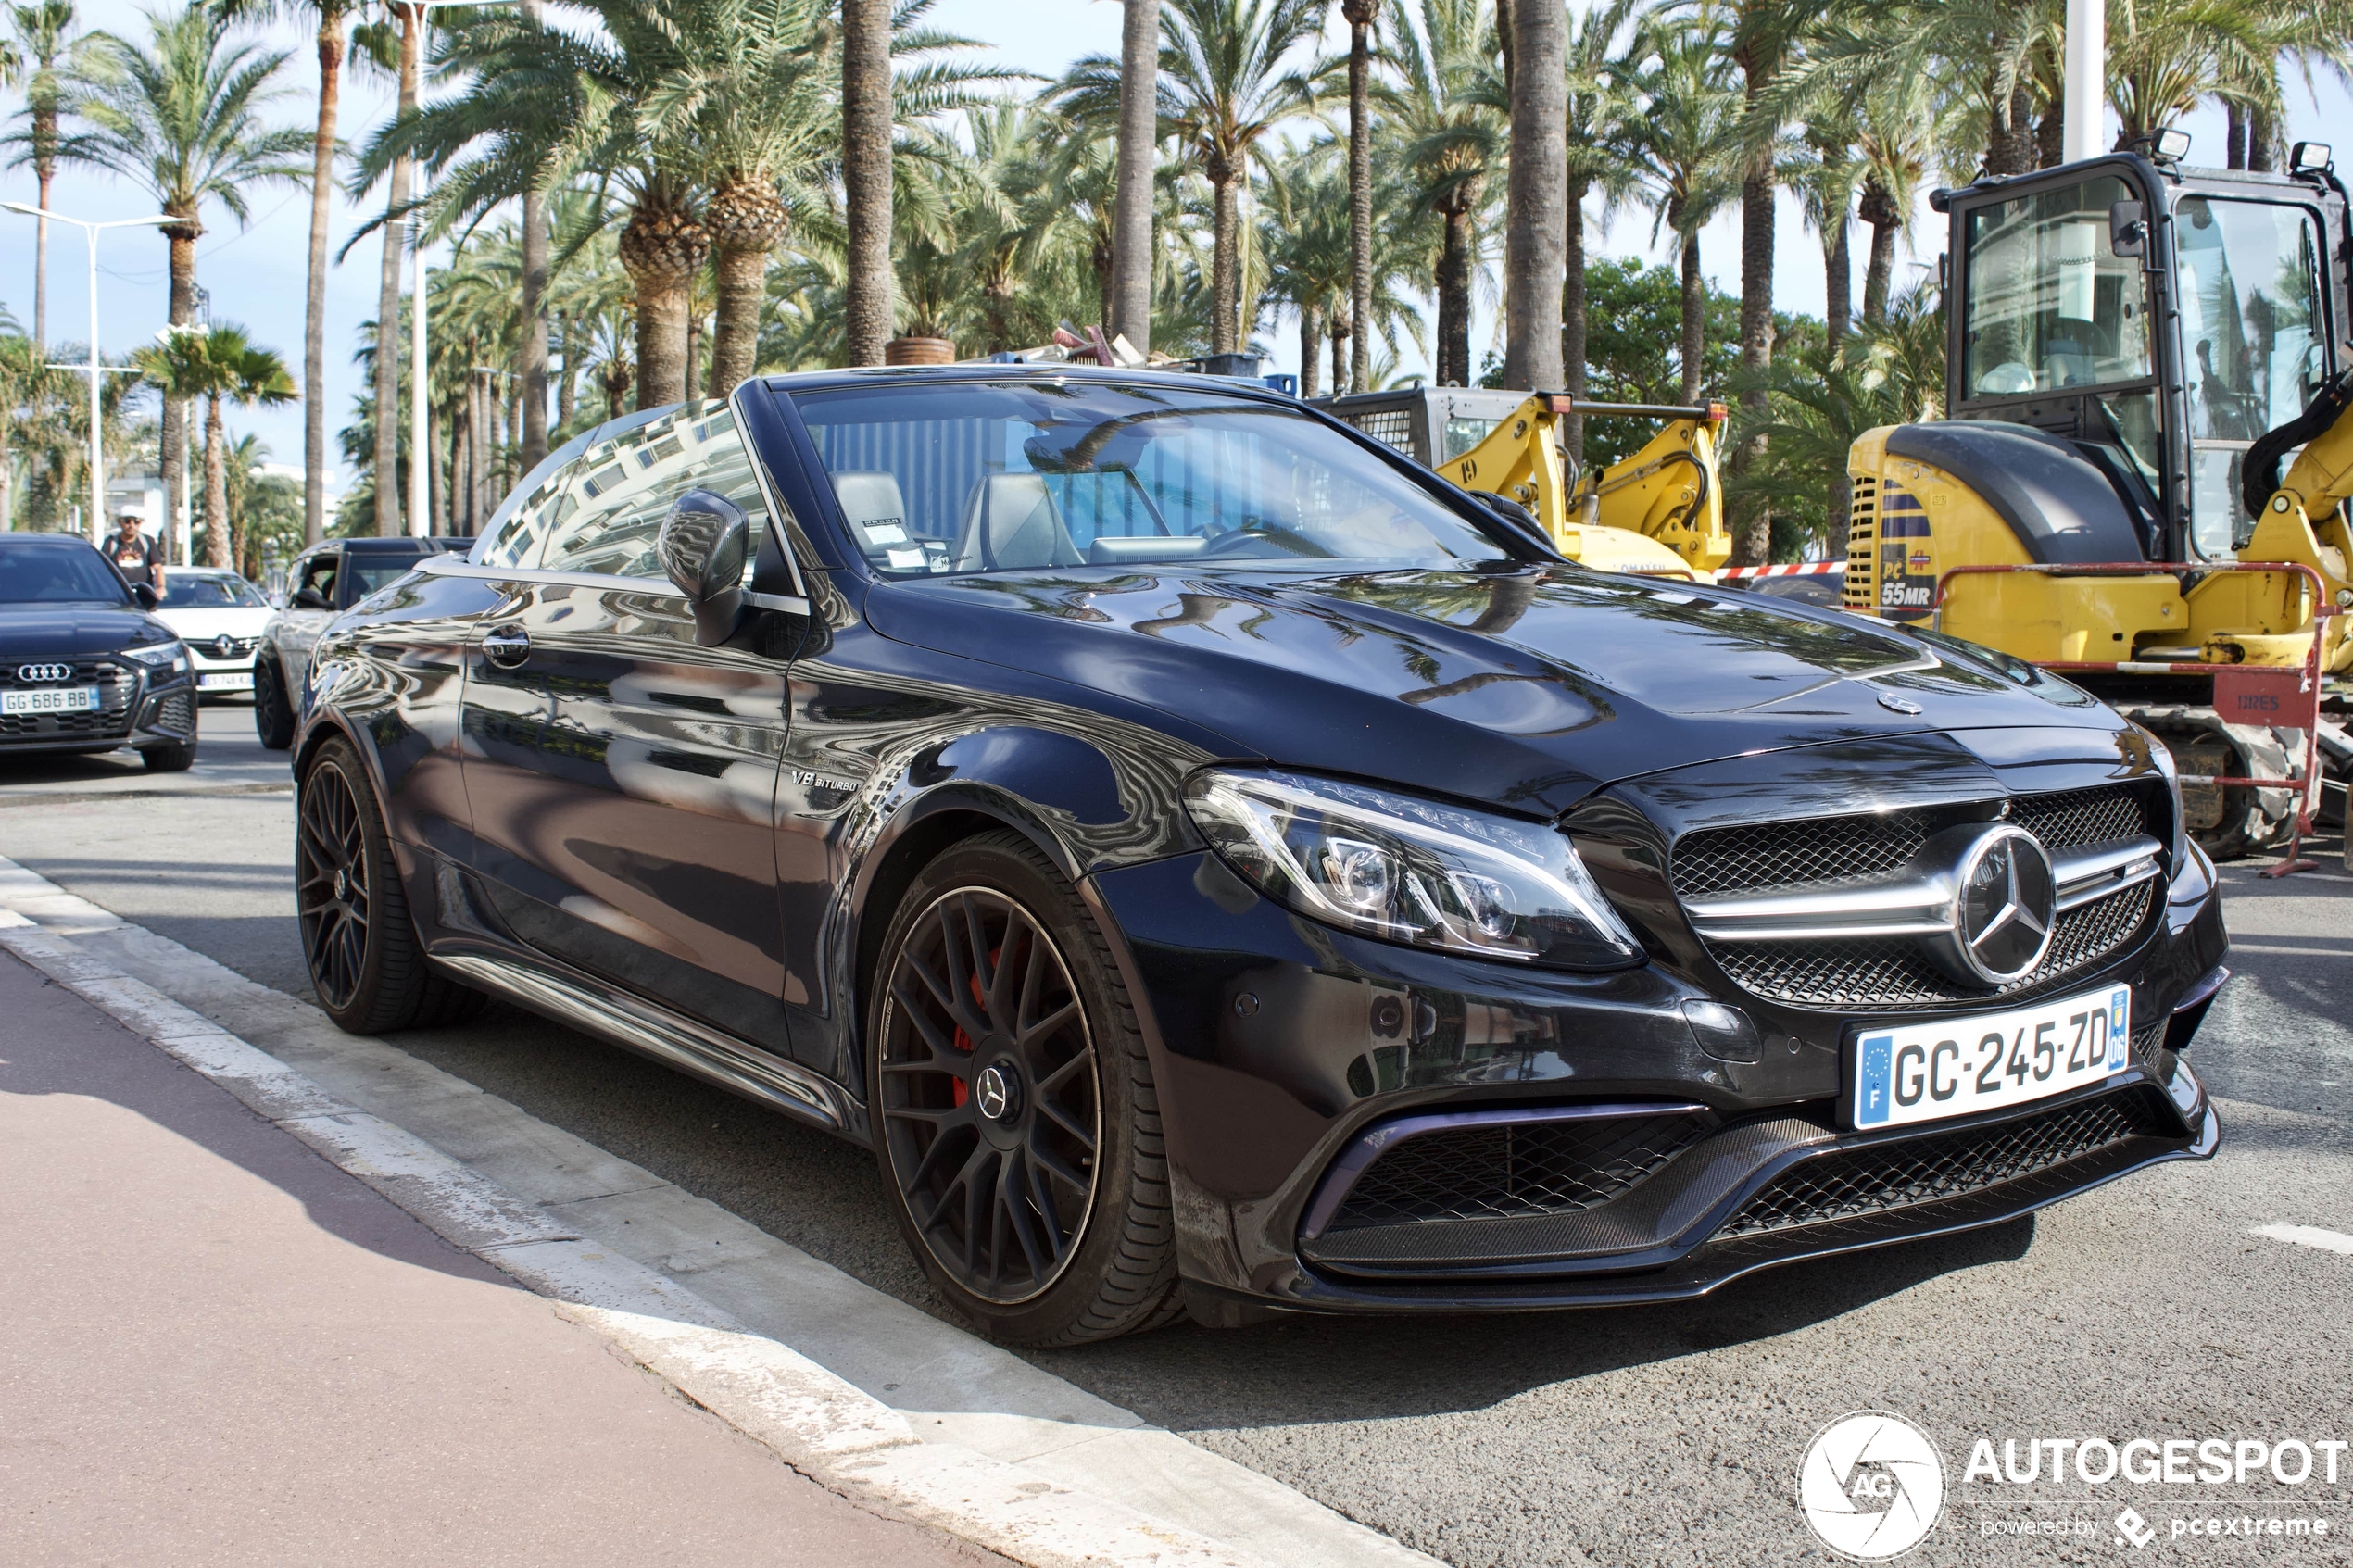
1658, 511
2134, 348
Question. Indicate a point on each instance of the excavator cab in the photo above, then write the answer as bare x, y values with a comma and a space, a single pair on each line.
2133, 348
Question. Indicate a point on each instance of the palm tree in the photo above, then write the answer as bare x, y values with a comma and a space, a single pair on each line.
333, 18
218, 365
40, 35
1762, 35
1448, 107
1306, 243
1222, 92
181, 119
1682, 133
1129, 303
1535, 258
745, 89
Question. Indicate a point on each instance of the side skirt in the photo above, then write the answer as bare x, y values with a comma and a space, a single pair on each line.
636, 1024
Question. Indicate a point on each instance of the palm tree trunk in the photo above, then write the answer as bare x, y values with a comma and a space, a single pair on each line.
2234, 136
1455, 301
1838, 278
694, 343
1130, 300
1878, 209
1311, 348
41, 253
388, 454
1360, 14
735, 346
174, 437
314, 322
1573, 325
662, 247
1534, 238
485, 453
866, 120
215, 488
1694, 319
437, 487
1226, 264
1340, 329
2261, 136
1752, 537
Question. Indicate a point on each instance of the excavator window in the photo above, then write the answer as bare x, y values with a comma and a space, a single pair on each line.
2049, 304
2254, 341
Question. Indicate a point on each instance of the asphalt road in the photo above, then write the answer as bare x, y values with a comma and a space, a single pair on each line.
1659, 1435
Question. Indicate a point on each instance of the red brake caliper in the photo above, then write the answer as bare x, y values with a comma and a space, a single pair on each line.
958, 1089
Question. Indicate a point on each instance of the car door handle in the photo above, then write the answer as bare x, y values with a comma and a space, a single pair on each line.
506, 646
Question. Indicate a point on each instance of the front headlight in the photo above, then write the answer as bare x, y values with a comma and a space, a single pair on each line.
172, 656
1409, 869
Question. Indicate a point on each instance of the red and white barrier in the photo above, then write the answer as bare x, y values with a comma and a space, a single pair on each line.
1795, 569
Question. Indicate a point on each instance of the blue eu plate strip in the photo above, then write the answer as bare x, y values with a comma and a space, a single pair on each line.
1872, 1075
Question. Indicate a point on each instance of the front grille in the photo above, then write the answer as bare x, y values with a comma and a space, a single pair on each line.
114, 683
2148, 1039
224, 647
1822, 853
1829, 850
1862, 545
1864, 973
1893, 1175
1514, 1170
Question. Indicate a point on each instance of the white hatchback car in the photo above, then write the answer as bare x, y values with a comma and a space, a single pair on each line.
220, 616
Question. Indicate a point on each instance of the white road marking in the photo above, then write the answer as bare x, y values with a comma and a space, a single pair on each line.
2309, 1235
2237, 947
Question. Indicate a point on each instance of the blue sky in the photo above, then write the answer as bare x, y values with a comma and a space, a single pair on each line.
255, 274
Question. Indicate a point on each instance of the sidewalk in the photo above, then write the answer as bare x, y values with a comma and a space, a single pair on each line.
222, 1348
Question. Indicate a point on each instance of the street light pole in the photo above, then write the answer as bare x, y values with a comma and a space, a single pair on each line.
90, 240
419, 449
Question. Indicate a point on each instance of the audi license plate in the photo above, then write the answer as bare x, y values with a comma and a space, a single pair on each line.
50, 699
1960, 1066
226, 681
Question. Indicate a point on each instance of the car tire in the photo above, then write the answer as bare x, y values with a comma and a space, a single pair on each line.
177, 757
274, 718
367, 966
1038, 1236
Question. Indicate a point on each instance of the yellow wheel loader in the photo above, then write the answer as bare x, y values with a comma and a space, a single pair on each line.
2133, 348
1659, 512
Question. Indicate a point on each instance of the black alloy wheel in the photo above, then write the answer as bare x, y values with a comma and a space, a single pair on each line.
331, 883
988, 1095
368, 969
1012, 1109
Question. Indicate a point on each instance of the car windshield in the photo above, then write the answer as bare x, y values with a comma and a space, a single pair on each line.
50, 575
951, 478
183, 590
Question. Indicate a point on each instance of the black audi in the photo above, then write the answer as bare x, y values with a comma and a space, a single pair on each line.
1216, 865
84, 663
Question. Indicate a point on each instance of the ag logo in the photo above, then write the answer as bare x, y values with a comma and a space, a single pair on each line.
1871, 1486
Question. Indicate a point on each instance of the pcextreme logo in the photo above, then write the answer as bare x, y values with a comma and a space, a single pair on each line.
1871, 1486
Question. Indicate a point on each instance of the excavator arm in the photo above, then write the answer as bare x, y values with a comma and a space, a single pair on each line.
1659, 512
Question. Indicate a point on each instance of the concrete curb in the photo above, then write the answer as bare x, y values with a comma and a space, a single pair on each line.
814, 1421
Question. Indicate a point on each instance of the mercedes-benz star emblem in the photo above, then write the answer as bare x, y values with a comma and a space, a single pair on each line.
995, 1093
1894, 704
2005, 905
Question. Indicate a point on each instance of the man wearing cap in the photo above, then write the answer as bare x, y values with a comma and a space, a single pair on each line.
135, 555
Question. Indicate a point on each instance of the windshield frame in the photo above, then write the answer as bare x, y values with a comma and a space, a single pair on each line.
838, 551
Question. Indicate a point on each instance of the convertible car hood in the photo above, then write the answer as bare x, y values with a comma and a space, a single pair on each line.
1532, 686
70, 631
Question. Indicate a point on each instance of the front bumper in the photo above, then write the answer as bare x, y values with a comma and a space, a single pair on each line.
137, 708
1281, 1047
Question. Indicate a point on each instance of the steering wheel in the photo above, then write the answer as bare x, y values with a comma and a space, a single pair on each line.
1258, 531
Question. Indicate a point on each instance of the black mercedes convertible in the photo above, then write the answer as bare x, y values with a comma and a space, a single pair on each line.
1216, 865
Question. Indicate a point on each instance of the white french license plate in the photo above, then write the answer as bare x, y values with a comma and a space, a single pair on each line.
50, 699
1960, 1066
227, 680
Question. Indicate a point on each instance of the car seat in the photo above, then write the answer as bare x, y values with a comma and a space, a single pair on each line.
1011, 522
